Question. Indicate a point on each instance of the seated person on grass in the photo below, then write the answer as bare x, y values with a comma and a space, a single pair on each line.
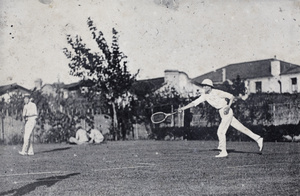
95, 136
80, 138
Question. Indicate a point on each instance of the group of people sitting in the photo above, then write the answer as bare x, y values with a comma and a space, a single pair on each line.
87, 137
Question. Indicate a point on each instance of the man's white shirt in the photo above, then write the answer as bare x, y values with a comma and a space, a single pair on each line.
216, 98
96, 135
81, 135
30, 110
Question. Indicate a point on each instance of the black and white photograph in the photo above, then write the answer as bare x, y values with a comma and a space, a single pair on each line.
149, 97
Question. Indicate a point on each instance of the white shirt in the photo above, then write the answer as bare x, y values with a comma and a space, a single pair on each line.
30, 110
216, 98
96, 135
81, 135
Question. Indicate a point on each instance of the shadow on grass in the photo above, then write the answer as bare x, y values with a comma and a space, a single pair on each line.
235, 151
53, 150
39, 182
242, 152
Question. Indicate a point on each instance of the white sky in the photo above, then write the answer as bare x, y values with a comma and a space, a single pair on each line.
193, 36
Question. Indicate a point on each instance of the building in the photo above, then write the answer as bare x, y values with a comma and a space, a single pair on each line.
269, 75
7, 91
180, 83
76, 87
48, 89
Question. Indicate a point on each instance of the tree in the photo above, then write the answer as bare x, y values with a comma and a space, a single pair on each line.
235, 87
107, 68
238, 86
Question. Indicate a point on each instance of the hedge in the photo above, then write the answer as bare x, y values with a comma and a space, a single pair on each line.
269, 133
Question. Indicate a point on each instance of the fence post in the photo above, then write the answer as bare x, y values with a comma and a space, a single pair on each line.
274, 112
172, 117
2, 125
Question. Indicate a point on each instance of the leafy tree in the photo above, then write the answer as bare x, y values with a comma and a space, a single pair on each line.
107, 68
236, 87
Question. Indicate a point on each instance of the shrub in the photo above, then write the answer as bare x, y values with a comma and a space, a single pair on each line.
269, 133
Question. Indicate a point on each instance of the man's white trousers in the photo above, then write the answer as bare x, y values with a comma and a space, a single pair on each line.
227, 120
29, 126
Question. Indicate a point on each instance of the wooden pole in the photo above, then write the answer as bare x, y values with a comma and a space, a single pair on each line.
172, 119
2, 123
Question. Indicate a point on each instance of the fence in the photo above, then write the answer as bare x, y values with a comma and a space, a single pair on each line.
287, 113
281, 114
11, 129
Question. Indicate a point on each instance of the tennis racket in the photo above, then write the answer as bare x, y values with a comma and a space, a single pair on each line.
160, 117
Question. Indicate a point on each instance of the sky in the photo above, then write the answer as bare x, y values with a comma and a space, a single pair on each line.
193, 36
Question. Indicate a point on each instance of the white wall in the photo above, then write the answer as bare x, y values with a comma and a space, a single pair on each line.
271, 84
181, 82
287, 82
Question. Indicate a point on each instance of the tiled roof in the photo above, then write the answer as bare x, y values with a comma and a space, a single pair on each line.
288, 68
77, 85
141, 87
248, 70
11, 87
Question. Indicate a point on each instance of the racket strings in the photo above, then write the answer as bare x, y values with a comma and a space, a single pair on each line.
158, 117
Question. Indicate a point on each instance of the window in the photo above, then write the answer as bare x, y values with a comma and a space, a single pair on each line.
258, 87
294, 85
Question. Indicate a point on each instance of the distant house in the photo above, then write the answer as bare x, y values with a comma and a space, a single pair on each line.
180, 82
173, 80
143, 87
7, 91
269, 75
49, 89
76, 87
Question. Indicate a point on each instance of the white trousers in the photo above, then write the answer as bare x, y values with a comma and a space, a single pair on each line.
227, 120
29, 126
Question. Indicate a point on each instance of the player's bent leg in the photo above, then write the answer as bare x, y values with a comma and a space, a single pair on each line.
240, 127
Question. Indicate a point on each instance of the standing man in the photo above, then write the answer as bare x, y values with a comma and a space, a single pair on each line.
29, 115
222, 101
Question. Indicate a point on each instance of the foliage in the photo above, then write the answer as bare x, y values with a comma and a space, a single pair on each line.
236, 87
108, 69
269, 133
14, 107
58, 117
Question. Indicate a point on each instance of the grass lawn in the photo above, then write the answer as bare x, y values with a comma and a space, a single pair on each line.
148, 167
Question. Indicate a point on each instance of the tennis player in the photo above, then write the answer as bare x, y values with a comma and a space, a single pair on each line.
30, 115
218, 99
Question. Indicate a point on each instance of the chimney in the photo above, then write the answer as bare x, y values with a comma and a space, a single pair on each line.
38, 84
275, 67
223, 75
171, 76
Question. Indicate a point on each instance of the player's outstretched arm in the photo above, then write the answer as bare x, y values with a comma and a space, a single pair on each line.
192, 104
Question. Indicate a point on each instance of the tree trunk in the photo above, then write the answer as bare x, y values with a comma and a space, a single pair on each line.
115, 121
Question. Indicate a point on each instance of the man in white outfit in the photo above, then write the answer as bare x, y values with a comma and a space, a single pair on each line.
217, 99
80, 138
95, 136
29, 115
